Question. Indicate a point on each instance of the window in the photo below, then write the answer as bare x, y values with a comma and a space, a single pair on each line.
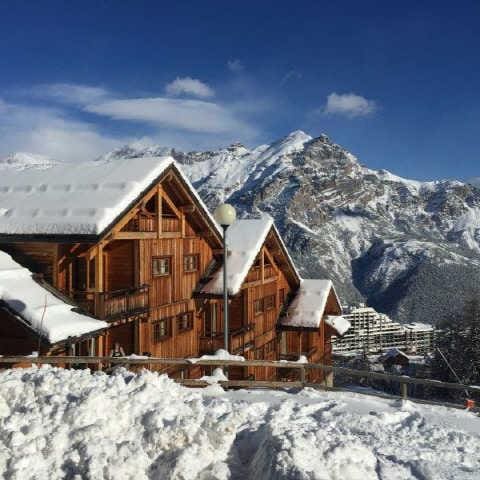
211, 320
190, 263
161, 266
281, 296
162, 329
185, 322
258, 306
269, 302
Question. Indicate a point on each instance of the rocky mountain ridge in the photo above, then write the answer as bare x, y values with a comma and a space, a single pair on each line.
408, 248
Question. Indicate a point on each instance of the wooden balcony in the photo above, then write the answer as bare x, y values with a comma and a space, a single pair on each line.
255, 273
145, 223
239, 341
115, 305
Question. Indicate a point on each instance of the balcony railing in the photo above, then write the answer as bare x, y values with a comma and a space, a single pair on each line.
115, 304
144, 223
239, 340
255, 273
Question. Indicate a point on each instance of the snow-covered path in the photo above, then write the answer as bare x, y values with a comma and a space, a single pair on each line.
71, 424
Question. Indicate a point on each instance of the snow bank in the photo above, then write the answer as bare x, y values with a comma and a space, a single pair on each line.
27, 298
59, 424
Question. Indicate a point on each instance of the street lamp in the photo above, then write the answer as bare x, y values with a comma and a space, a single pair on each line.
225, 215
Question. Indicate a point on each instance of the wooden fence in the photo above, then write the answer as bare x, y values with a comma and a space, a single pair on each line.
302, 368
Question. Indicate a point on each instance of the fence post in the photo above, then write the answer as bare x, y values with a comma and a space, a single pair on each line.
404, 390
302, 375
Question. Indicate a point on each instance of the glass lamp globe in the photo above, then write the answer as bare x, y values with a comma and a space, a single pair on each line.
225, 214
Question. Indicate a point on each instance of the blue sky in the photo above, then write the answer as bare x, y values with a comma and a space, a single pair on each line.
397, 83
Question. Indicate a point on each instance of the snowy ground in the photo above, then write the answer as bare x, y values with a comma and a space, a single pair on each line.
71, 424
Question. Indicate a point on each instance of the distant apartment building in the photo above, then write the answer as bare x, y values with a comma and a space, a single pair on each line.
373, 332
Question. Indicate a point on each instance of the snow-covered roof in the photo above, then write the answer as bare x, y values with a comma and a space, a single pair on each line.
393, 353
27, 298
308, 307
338, 323
244, 241
81, 198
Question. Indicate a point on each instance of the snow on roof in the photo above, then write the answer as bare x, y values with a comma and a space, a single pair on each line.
244, 241
76, 198
338, 323
392, 353
27, 298
308, 307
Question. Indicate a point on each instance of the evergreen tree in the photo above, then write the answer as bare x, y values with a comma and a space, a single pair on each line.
459, 341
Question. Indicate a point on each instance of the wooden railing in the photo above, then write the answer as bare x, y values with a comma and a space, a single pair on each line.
255, 273
303, 368
240, 340
144, 223
115, 304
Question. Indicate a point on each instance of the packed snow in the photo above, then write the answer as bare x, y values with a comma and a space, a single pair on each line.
45, 313
59, 424
308, 307
80, 198
340, 324
244, 241
220, 354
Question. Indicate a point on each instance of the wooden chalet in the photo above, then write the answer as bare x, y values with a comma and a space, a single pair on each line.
126, 254
307, 325
127, 241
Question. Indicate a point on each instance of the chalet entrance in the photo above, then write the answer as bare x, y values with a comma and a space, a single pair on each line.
123, 334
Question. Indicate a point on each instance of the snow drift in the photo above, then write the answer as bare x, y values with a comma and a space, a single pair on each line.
71, 424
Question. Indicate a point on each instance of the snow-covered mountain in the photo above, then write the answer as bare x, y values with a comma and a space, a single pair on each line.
411, 249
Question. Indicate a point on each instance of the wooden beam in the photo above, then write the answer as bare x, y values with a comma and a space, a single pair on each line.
159, 210
99, 269
187, 208
262, 264
169, 202
135, 235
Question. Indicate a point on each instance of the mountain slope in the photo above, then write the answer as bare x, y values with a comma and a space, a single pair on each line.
409, 248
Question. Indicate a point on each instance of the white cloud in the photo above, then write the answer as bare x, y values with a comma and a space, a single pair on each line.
235, 65
69, 93
189, 86
188, 115
349, 105
48, 132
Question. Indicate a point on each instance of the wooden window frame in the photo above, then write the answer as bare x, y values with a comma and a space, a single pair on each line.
162, 257
196, 267
179, 320
266, 305
258, 301
156, 337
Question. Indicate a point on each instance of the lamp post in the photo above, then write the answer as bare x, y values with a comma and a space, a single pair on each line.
225, 215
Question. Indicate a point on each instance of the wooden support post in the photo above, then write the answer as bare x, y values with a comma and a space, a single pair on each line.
262, 265
182, 224
302, 375
404, 390
159, 210
99, 281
